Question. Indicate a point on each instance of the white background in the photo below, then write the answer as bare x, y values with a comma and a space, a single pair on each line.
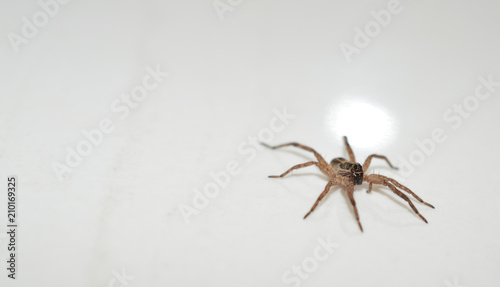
118, 210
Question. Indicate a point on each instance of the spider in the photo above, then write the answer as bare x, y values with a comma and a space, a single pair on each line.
347, 174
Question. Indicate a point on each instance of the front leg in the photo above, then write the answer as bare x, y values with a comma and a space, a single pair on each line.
384, 180
391, 183
369, 188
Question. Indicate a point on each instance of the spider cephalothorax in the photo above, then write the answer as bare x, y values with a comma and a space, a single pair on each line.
349, 173
353, 170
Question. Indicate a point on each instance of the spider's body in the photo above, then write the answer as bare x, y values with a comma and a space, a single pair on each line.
351, 169
349, 173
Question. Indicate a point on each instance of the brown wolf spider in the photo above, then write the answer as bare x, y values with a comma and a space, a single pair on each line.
346, 174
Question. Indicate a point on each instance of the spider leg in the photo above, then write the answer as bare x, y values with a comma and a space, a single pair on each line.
350, 193
400, 194
380, 179
399, 185
295, 167
369, 159
369, 188
349, 150
321, 160
327, 188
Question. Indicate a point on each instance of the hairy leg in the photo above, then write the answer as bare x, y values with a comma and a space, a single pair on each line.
350, 193
369, 159
399, 185
380, 179
321, 160
349, 150
369, 188
295, 167
400, 194
325, 191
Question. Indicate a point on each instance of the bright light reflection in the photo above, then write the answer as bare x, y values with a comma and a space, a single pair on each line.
366, 125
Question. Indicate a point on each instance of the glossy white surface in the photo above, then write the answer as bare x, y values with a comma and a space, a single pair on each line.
228, 83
